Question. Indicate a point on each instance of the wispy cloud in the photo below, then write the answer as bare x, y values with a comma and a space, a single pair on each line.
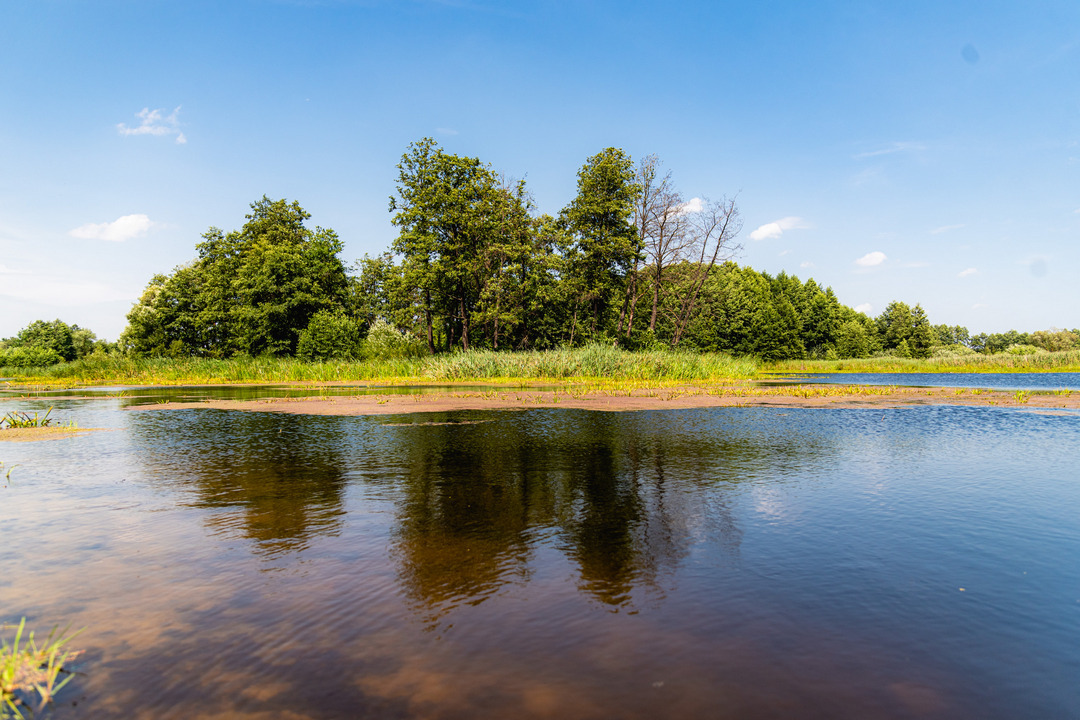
119, 230
945, 228
865, 308
776, 228
446, 131
871, 259
896, 147
155, 122
966, 273
806, 264
5, 270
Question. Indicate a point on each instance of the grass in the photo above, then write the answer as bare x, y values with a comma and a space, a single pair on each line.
594, 361
1064, 361
16, 419
585, 363
28, 669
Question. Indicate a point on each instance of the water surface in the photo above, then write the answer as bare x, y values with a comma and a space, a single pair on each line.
727, 562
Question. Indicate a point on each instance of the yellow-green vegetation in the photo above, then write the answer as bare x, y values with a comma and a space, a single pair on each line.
19, 420
592, 361
1063, 361
29, 669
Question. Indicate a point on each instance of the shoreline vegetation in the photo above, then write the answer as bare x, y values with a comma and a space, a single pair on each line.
593, 362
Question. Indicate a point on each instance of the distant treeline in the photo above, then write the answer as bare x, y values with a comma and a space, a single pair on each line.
629, 262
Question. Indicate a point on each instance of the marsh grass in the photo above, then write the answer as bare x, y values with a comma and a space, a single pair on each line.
1064, 361
593, 361
29, 669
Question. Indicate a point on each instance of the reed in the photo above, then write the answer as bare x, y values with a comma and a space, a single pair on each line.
593, 361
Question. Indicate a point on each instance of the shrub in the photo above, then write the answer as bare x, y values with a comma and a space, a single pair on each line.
29, 356
384, 341
329, 335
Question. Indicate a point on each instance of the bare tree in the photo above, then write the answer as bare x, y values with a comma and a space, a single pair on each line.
661, 224
710, 238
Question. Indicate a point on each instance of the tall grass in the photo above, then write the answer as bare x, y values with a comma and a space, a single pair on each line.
1064, 361
594, 361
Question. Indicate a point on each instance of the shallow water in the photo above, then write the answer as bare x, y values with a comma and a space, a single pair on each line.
728, 562
989, 381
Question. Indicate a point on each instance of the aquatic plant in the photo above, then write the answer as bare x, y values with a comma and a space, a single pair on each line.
17, 419
27, 668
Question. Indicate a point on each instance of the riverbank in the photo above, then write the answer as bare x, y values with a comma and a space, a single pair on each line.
640, 398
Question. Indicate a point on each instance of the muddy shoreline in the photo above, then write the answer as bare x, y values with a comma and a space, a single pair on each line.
646, 398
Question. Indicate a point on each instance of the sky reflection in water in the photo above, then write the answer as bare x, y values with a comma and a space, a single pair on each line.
736, 562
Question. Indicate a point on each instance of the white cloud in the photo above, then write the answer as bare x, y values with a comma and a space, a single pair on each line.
895, 147
446, 131
969, 271
776, 228
5, 270
693, 205
871, 259
155, 122
979, 306
119, 230
945, 228
807, 264
865, 308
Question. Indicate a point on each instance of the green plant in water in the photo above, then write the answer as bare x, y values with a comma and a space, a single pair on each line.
27, 668
1021, 396
16, 419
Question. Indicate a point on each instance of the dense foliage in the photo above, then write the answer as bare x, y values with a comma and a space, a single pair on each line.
627, 263
252, 291
42, 343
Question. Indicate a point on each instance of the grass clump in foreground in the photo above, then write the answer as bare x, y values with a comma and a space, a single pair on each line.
591, 361
16, 419
28, 669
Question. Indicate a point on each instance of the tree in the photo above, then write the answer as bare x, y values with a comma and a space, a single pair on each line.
249, 291
458, 228
661, 225
712, 233
604, 244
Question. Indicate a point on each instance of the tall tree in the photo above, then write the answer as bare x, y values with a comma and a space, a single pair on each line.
605, 245
455, 219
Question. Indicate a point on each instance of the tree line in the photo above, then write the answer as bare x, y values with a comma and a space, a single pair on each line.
629, 261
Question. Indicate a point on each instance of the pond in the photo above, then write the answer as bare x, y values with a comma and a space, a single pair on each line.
726, 563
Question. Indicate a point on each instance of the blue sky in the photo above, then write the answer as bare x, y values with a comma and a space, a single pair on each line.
921, 151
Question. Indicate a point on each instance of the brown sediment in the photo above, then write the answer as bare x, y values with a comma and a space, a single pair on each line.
32, 434
641, 398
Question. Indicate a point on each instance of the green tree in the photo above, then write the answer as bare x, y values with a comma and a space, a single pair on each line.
604, 246
55, 335
249, 291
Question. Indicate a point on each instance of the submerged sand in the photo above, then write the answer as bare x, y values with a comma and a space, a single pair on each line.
42, 433
643, 398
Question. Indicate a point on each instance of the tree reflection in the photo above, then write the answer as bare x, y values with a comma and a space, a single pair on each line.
275, 479
477, 499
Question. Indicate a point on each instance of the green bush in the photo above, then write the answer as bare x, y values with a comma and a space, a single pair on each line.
330, 335
1023, 349
384, 341
29, 356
